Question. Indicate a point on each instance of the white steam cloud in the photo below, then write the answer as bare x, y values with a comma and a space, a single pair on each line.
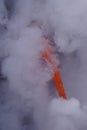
27, 101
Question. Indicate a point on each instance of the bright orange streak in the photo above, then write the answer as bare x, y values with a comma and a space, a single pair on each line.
47, 55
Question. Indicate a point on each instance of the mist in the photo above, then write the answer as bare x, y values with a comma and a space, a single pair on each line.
28, 98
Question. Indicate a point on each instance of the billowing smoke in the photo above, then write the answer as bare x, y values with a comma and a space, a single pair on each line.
28, 99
